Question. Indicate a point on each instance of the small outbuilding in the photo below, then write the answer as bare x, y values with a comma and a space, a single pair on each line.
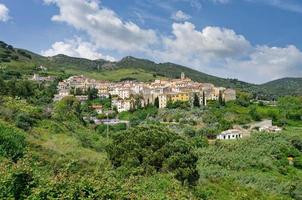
231, 134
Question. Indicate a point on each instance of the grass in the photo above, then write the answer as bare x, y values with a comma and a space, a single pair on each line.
116, 75
59, 145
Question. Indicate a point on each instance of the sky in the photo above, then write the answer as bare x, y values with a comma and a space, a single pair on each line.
251, 40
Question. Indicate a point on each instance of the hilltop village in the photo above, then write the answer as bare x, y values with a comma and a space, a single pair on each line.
132, 95
129, 95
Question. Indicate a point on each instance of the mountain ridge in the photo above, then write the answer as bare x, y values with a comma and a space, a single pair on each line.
24, 60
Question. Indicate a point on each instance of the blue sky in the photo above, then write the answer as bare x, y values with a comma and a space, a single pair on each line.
252, 40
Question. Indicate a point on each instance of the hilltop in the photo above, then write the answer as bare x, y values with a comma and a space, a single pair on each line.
26, 62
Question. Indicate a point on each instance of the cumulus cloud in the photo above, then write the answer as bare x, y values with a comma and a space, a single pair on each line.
214, 50
4, 13
180, 16
210, 42
223, 52
267, 63
76, 48
103, 25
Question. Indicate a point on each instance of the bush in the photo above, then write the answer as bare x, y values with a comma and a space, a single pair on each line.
24, 121
298, 162
12, 143
199, 142
255, 114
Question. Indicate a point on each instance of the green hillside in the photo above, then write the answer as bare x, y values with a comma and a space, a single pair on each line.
171, 70
49, 151
282, 87
25, 62
136, 68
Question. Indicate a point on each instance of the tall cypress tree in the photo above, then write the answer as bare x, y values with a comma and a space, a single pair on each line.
156, 102
196, 101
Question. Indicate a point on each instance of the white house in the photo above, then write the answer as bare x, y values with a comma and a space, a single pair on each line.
124, 93
231, 134
162, 99
270, 129
121, 104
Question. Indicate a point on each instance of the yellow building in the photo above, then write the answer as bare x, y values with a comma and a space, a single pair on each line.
103, 90
182, 96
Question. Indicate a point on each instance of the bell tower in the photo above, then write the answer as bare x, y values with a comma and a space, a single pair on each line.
182, 76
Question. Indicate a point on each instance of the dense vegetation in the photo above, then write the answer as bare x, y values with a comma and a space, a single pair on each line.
48, 150
165, 155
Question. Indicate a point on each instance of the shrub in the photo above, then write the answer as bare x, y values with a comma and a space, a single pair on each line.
24, 121
12, 143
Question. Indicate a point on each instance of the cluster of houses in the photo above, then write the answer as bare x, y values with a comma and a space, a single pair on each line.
128, 95
239, 132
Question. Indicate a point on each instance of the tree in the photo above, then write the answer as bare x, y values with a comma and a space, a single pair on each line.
92, 93
255, 114
156, 102
154, 148
24, 89
290, 107
243, 99
69, 108
178, 104
189, 131
196, 102
221, 99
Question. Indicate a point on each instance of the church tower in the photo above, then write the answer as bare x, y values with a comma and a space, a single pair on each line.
182, 76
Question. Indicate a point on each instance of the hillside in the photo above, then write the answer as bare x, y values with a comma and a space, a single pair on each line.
15, 58
171, 70
282, 87
26, 62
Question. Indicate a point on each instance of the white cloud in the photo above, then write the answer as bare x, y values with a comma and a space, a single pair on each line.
225, 53
103, 25
76, 48
285, 5
281, 4
4, 13
214, 50
180, 16
268, 63
211, 41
